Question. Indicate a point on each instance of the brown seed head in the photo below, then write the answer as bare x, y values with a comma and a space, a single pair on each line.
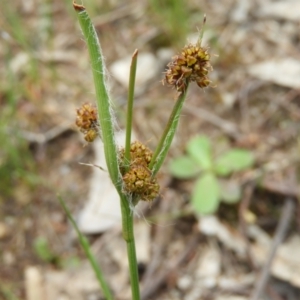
87, 121
139, 154
138, 181
192, 64
90, 135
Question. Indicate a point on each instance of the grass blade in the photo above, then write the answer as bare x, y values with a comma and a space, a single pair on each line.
87, 249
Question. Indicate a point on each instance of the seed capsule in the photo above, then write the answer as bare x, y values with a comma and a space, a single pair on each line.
192, 64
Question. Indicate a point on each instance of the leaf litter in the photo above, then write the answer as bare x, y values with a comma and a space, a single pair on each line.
182, 257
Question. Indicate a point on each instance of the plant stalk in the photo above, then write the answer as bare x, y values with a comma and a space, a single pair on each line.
167, 136
130, 109
127, 213
110, 149
128, 236
102, 97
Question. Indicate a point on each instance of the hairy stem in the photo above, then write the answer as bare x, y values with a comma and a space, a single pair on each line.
102, 97
110, 149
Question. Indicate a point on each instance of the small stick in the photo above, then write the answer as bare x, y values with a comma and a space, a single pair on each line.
161, 278
280, 233
245, 203
93, 165
226, 126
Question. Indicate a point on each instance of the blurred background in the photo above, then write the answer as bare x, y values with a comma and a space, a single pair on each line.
253, 104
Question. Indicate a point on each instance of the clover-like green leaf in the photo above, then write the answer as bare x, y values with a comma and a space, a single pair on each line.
233, 160
206, 194
184, 167
199, 148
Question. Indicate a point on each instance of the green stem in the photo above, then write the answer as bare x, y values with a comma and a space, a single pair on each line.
102, 97
87, 249
167, 136
110, 149
128, 235
127, 213
130, 108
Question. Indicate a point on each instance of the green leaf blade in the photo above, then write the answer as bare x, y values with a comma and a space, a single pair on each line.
87, 249
206, 194
233, 161
183, 167
199, 148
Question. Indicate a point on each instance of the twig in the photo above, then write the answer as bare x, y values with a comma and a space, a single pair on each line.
280, 233
243, 97
282, 188
284, 102
160, 279
243, 226
273, 293
162, 239
47, 136
226, 126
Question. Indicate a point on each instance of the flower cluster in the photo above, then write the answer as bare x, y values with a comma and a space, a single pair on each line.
192, 64
138, 180
87, 121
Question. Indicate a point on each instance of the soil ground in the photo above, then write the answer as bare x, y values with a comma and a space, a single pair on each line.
45, 76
